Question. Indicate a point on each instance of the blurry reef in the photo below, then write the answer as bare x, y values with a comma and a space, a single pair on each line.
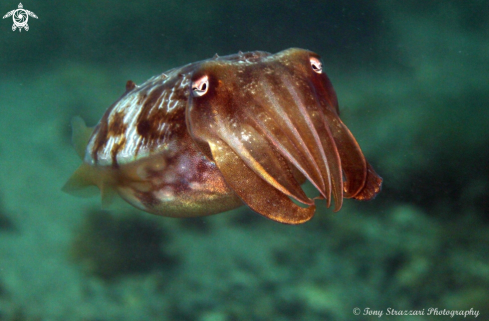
413, 85
109, 246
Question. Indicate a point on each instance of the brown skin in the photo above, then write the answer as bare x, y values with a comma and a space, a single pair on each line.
247, 128
258, 121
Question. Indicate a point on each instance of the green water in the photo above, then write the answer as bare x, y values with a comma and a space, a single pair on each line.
412, 78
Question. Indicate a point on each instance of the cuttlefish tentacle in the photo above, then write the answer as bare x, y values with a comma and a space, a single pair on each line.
256, 171
257, 193
263, 159
295, 136
273, 128
325, 152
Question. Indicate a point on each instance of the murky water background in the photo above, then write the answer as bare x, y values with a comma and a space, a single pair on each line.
413, 84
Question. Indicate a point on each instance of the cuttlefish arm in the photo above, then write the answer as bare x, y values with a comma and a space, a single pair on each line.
272, 124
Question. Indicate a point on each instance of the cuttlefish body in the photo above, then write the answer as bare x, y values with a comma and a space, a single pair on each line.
211, 136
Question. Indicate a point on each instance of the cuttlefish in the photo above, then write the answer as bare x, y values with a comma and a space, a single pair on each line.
211, 136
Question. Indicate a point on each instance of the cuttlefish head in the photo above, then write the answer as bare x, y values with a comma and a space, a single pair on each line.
270, 122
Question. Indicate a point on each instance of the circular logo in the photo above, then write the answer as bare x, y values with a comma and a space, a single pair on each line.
20, 18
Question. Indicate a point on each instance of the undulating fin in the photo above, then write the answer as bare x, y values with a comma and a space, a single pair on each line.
86, 181
81, 183
81, 135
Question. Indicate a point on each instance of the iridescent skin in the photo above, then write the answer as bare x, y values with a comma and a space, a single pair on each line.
242, 129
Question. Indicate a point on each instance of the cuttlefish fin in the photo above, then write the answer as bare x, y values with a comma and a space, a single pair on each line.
84, 183
86, 179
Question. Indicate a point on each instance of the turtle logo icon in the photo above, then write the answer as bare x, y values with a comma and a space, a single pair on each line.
20, 17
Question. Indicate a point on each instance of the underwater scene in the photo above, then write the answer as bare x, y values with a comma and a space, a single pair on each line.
244, 160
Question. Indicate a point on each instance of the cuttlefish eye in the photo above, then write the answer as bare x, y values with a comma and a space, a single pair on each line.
316, 65
200, 86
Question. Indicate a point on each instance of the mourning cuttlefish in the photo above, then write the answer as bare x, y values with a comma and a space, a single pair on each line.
208, 137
